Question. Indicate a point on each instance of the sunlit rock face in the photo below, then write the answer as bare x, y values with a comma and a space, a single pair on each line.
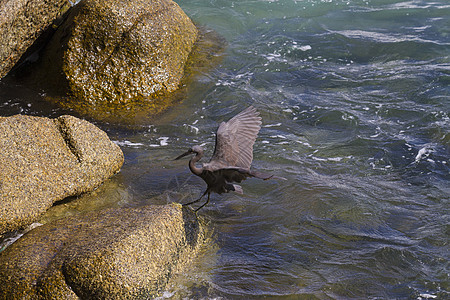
119, 52
120, 253
44, 160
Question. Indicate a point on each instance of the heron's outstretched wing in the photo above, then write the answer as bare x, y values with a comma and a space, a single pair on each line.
235, 139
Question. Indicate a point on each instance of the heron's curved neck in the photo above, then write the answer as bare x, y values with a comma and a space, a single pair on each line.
194, 169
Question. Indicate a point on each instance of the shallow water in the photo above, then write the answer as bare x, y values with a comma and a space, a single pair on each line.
354, 97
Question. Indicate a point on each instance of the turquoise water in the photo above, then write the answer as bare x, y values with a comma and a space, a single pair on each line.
355, 102
354, 97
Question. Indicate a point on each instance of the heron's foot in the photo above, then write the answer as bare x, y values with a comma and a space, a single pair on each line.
192, 202
207, 201
201, 206
195, 201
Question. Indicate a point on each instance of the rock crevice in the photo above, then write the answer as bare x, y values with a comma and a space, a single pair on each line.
43, 161
64, 129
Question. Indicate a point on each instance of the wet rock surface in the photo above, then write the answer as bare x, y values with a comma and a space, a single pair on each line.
21, 23
115, 52
45, 160
120, 253
120, 62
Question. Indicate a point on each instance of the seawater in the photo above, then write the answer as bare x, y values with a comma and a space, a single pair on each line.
354, 97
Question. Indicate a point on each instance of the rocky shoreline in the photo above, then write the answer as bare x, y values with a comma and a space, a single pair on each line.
121, 253
46, 160
105, 55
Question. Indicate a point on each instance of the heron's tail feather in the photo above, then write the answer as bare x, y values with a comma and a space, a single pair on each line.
265, 176
237, 189
277, 177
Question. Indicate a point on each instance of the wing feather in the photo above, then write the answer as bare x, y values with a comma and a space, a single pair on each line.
235, 140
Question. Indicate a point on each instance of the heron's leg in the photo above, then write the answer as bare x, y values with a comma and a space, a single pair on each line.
207, 201
195, 201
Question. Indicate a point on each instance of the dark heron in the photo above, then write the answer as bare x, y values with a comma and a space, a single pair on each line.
233, 155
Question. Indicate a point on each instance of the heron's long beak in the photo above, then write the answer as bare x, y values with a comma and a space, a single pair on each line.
183, 155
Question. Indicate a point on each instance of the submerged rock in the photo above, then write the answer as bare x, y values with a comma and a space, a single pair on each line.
118, 253
119, 51
44, 160
21, 23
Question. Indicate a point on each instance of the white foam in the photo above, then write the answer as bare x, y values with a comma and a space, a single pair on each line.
333, 159
278, 136
128, 143
9, 241
223, 82
423, 153
274, 57
318, 158
427, 296
272, 125
304, 143
163, 140
191, 128
302, 48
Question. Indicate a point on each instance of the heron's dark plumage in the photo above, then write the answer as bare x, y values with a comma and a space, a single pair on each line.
233, 155
235, 139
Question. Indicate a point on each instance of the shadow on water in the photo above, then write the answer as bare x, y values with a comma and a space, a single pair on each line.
191, 226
